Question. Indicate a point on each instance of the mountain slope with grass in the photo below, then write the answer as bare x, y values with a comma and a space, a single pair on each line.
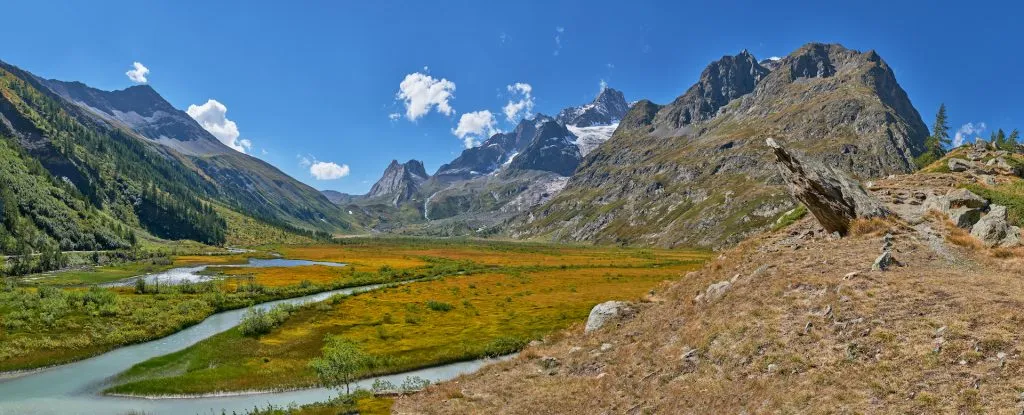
87, 168
692, 173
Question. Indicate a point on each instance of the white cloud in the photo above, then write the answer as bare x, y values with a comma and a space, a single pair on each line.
967, 130
521, 107
603, 85
474, 126
212, 116
558, 39
138, 74
610, 65
503, 37
421, 93
303, 160
323, 170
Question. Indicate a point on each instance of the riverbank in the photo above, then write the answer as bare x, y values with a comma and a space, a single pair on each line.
48, 326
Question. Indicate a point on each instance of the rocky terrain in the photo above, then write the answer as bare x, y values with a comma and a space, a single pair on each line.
916, 310
694, 172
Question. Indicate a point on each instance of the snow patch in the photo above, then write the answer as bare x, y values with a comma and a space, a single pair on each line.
588, 138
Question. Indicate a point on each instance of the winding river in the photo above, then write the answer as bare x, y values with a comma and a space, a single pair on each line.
75, 388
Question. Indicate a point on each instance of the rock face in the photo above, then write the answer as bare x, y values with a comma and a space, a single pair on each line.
553, 149
608, 108
831, 196
721, 82
399, 182
694, 172
605, 312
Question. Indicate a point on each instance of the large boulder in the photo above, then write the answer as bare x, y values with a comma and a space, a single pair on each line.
959, 165
995, 230
834, 198
962, 206
605, 312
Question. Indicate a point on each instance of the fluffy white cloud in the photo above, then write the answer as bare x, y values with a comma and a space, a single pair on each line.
212, 116
138, 73
303, 160
394, 116
475, 125
558, 39
603, 86
323, 170
966, 130
521, 107
421, 93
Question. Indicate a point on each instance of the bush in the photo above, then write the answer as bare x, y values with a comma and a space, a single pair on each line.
503, 346
258, 321
439, 306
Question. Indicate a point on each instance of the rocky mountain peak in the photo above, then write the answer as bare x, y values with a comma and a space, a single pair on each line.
553, 149
399, 182
721, 81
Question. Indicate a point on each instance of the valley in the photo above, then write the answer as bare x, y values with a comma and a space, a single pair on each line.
728, 233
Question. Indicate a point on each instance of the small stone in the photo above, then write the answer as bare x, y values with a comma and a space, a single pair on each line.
606, 347
548, 362
883, 261
772, 368
851, 275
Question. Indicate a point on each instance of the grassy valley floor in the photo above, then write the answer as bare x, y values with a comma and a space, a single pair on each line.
63, 317
511, 293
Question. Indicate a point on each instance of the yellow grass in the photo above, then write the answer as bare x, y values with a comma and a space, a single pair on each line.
397, 326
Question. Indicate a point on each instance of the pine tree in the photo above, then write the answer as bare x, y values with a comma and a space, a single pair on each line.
940, 132
1011, 141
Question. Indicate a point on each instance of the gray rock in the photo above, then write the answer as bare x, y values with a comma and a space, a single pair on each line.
715, 291
959, 165
602, 313
1003, 167
963, 198
994, 230
883, 262
834, 198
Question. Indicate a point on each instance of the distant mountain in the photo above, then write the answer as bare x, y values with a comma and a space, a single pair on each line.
399, 182
608, 108
696, 171
493, 152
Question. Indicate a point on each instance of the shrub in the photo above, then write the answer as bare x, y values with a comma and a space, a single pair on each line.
504, 345
439, 306
258, 321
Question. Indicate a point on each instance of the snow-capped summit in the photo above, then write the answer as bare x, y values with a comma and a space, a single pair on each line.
608, 108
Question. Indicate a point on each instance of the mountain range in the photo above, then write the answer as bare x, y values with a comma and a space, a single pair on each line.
689, 172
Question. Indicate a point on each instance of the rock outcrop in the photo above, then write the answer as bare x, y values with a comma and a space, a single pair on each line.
834, 198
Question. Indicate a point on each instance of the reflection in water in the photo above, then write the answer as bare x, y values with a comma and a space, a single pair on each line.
181, 275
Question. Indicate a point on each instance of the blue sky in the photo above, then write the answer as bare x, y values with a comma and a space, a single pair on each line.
319, 79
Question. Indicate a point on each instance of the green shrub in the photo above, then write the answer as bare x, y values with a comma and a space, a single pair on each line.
503, 346
439, 306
